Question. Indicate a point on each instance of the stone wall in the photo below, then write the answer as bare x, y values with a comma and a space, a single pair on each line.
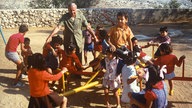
50, 17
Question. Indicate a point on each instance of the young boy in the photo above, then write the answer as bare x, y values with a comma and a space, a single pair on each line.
89, 43
137, 49
120, 35
25, 55
163, 38
11, 51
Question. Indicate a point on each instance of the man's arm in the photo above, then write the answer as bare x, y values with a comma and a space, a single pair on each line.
55, 30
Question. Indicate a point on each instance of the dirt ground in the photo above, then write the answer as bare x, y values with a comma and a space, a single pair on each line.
11, 97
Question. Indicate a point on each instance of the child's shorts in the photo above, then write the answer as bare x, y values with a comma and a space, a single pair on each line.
170, 76
13, 56
89, 47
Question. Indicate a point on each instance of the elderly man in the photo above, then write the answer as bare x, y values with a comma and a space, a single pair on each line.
73, 21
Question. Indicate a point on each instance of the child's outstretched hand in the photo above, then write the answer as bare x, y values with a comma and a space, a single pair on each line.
182, 57
64, 69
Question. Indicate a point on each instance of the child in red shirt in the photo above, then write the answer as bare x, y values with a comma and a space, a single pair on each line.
170, 60
40, 94
12, 54
71, 62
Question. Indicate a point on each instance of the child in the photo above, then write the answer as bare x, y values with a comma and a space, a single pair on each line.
103, 35
163, 38
71, 62
154, 95
111, 80
51, 51
89, 44
142, 56
120, 35
25, 55
40, 94
11, 51
170, 60
98, 43
129, 79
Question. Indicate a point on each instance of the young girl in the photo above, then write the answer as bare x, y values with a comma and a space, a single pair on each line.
129, 79
170, 60
154, 95
111, 80
40, 94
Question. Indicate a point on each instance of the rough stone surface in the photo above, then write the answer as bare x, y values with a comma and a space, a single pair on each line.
50, 17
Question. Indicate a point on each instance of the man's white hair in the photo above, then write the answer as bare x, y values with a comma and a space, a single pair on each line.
71, 5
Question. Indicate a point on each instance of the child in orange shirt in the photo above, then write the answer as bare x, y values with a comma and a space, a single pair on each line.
40, 94
120, 35
170, 60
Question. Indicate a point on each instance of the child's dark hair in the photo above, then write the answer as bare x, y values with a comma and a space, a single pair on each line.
130, 59
166, 48
23, 28
37, 61
162, 29
99, 27
26, 39
89, 21
103, 34
122, 14
56, 39
154, 76
133, 39
70, 48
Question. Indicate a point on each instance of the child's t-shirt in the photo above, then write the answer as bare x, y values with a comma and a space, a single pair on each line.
13, 42
169, 60
127, 73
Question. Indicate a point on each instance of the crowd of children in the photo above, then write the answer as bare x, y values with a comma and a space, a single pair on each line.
120, 70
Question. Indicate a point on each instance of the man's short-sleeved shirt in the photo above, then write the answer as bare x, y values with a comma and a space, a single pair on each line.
73, 29
14, 41
119, 37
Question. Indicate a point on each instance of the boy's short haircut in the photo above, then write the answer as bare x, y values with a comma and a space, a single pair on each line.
71, 47
57, 39
133, 39
99, 27
121, 13
26, 39
23, 28
162, 29
89, 21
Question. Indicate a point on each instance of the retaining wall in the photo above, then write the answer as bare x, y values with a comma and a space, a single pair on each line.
50, 17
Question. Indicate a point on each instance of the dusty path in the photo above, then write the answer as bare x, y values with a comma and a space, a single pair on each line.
11, 97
